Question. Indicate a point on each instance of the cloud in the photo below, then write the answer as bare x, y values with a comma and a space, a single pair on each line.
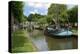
38, 4
35, 4
47, 5
34, 11
70, 6
36, 7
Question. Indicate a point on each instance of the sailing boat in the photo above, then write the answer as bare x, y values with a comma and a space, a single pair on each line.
57, 30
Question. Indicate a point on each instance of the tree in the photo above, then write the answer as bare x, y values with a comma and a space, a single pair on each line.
37, 18
30, 17
17, 10
58, 11
49, 19
73, 14
25, 18
17, 17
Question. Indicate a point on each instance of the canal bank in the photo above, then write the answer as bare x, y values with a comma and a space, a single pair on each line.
21, 42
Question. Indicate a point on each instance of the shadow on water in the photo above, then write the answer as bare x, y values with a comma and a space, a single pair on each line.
61, 43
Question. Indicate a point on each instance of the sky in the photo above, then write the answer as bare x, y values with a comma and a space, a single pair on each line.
38, 7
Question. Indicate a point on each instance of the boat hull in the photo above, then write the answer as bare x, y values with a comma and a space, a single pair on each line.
64, 33
61, 33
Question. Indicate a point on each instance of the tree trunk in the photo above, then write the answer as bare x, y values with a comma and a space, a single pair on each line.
12, 22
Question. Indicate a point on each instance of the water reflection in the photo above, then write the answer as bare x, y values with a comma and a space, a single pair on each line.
44, 43
39, 40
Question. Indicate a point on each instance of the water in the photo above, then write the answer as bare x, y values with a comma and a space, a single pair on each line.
39, 40
46, 43
62, 43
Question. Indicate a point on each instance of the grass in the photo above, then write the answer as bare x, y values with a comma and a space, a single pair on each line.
21, 42
74, 30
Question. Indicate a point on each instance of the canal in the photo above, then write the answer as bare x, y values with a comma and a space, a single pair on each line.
48, 43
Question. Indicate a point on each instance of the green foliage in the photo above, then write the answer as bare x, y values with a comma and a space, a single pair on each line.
56, 8
25, 18
49, 19
34, 17
17, 10
58, 11
63, 16
42, 21
30, 17
73, 14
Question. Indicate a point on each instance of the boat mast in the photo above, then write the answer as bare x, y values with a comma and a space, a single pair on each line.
67, 22
57, 17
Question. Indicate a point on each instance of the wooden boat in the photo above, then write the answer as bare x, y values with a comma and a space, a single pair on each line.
58, 32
